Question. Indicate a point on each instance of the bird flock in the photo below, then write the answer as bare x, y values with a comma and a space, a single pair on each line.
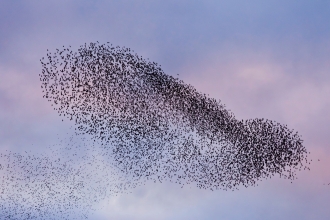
65, 185
137, 124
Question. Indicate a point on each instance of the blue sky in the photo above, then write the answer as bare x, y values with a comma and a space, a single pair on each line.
263, 59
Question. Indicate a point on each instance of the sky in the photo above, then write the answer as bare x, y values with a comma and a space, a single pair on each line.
262, 59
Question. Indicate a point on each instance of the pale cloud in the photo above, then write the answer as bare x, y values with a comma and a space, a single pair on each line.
305, 101
255, 85
21, 93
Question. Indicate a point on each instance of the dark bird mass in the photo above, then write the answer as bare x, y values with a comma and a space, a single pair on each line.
137, 124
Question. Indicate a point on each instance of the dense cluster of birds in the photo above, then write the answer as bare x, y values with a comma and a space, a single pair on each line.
144, 125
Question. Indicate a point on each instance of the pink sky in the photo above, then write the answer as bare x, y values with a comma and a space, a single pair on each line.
262, 60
